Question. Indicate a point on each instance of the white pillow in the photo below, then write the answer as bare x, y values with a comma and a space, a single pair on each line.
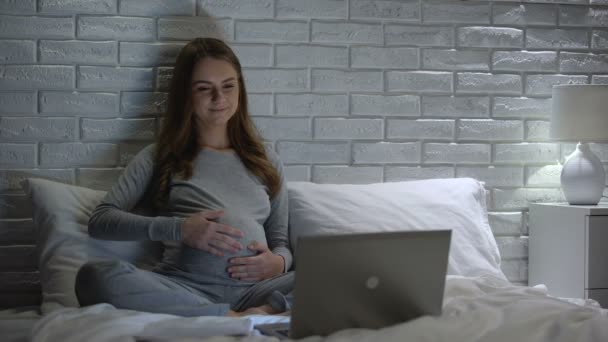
458, 204
61, 214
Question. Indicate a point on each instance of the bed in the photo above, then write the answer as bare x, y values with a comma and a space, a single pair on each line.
480, 304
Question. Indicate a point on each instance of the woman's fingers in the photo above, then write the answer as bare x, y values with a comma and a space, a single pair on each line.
225, 229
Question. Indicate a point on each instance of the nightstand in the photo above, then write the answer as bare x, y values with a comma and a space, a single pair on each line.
568, 250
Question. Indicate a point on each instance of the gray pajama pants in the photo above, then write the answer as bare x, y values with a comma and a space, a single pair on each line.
128, 287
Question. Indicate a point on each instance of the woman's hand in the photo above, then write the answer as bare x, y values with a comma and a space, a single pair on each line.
259, 267
200, 232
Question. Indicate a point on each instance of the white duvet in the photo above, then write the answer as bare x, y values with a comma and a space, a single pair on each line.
475, 309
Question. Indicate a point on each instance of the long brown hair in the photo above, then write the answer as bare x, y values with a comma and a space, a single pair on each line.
177, 144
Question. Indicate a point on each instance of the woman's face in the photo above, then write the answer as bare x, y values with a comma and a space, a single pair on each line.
215, 92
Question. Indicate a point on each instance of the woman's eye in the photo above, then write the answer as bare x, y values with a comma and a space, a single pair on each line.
229, 86
203, 89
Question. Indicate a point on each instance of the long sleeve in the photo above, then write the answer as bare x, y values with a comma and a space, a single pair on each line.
111, 219
276, 225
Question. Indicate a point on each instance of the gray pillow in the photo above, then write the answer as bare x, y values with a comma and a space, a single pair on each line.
61, 214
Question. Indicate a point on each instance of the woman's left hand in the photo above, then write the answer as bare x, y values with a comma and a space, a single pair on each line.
262, 266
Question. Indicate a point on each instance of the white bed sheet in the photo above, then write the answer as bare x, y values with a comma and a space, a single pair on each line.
16, 324
475, 309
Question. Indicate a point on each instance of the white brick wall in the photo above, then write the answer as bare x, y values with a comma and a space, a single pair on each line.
353, 91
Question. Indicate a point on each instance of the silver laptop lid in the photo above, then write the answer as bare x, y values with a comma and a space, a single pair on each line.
367, 280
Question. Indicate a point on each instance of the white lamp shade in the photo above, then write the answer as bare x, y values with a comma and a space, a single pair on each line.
580, 113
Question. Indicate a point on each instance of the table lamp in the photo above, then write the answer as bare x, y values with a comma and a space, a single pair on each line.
580, 114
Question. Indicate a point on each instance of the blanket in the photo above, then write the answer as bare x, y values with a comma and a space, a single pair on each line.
475, 309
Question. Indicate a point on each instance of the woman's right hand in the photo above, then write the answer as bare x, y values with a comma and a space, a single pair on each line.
198, 231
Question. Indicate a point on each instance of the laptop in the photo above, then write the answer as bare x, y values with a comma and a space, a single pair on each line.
369, 280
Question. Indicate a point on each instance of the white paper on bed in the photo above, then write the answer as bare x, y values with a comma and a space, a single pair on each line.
475, 309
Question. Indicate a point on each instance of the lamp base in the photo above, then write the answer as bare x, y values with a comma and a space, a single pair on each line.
583, 177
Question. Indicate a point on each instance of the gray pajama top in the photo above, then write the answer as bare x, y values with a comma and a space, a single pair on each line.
219, 181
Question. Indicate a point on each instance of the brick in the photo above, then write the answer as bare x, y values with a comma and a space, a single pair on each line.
419, 81
491, 83
515, 270
347, 174
311, 55
18, 6
16, 27
583, 16
163, 77
13, 77
17, 155
343, 33
20, 282
456, 153
498, 37
311, 9
297, 173
547, 176
292, 152
10, 180
112, 78
190, 28
409, 173
390, 9
526, 153
520, 199
283, 128
37, 129
157, 7
493, 176
311, 104
116, 28
253, 54
524, 14
60, 102
77, 7
524, 61
341, 128
537, 130
539, 38
148, 54
13, 102
99, 179
509, 223
450, 106
78, 154
14, 206
521, 107
143, 103
236, 8
78, 52
271, 31
123, 129
440, 36
17, 51
583, 62
18, 258
420, 129
599, 39
490, 130
386, 153
400, 105
598, 79
455, 12
543, 84
259, 104
455, 59
128, 150
262, 80
346, 80
20, 231
383, 57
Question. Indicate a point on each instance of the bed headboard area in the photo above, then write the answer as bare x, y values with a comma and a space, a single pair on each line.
345, 91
